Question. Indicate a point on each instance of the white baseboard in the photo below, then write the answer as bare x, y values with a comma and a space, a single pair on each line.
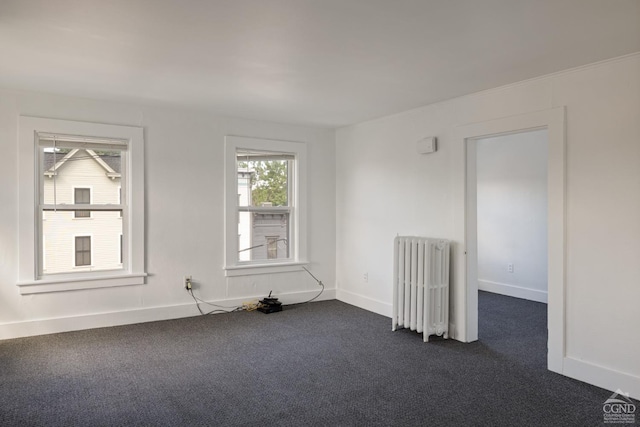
376, 306
600, 376
363, 302
512, 291
127, 317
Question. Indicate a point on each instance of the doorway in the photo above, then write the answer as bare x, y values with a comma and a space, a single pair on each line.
511, 263
511, 212
466, 283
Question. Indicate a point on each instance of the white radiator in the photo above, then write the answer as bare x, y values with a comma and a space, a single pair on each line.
421, 285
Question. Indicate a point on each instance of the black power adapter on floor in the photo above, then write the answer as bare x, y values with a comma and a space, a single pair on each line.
269, 305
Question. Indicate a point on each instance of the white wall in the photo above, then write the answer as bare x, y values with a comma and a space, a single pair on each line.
184, 217
384, 188
511, 183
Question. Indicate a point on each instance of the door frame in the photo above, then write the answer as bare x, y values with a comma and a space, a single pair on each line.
466, 296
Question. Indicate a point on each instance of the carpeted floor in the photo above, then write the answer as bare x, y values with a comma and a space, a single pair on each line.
324, 363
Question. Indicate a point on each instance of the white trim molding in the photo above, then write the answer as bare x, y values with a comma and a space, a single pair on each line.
512, 291
288, 267
127, 317
366, 303
601, 376
77, 283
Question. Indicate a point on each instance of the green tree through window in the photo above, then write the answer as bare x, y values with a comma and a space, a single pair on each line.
269, 183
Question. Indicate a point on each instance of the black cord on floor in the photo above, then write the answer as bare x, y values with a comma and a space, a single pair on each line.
220, 308
304, 302
319, 293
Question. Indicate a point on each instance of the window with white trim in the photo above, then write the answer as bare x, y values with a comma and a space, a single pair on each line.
264, 204
80, 170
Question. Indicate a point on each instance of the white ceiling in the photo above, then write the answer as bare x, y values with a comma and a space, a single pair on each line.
314, 62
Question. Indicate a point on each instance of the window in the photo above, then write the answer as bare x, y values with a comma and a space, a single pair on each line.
272, 247
83, 251
82, 196
265, 204
63, 161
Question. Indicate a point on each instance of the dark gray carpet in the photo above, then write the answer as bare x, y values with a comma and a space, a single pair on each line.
324, 363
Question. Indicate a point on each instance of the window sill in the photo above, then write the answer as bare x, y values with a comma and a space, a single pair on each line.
77, 283
250, 269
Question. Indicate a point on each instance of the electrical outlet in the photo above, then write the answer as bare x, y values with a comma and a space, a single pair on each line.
365, 277
187, 282
510, 268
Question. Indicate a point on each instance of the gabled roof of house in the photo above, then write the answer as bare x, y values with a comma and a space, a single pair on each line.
110, 163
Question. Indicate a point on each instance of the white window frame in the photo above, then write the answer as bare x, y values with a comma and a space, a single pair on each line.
44, 253
298, 202
120, 198
29, 279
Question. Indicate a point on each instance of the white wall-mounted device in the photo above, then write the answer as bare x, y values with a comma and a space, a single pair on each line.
427, 145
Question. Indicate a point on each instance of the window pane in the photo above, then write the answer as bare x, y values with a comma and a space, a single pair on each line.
83, 251
263, 178
244, 236
82, 197
272, 247
263, 236
92, 245
80, 176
